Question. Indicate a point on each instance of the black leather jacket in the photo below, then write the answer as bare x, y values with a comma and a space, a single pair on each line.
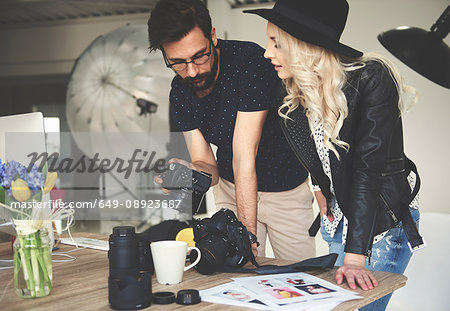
370, 179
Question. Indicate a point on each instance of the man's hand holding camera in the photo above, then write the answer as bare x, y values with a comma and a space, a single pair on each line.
185, 183
159, 179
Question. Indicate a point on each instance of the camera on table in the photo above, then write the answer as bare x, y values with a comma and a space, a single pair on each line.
186, 185
130, 270
223, 241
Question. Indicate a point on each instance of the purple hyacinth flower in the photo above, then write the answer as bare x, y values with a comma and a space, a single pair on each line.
13, 170
35, 179
2, 171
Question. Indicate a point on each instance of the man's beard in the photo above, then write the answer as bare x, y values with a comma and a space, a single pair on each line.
204, 81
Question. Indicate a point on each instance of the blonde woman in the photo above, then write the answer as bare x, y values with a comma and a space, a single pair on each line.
342, 118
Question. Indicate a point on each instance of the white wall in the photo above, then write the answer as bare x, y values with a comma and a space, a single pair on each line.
52, 49
426, 126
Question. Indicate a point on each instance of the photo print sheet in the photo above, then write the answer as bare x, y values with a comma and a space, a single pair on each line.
290, 291
233, 294
292, 287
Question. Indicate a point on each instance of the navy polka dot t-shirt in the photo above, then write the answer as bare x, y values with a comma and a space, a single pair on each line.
246, 82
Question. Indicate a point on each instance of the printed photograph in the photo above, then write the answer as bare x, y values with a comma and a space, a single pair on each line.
233, 294
293, 281
314, 289
283, 293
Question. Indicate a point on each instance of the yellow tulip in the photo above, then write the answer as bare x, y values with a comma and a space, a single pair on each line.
50, 181
20, 190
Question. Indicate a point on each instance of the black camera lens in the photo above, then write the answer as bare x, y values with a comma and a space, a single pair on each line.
214, 252
123, 248
145, 255
130, 270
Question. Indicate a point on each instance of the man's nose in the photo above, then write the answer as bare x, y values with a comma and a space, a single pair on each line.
192, 70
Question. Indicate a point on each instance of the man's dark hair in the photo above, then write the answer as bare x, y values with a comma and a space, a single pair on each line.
171, 20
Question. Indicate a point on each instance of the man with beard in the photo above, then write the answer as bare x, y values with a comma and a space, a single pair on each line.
226, 94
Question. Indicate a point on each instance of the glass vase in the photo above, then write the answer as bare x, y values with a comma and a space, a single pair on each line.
33, 264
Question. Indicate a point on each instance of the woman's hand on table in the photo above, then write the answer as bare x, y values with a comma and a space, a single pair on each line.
355, 272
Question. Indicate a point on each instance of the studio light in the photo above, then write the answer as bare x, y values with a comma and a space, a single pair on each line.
423, 51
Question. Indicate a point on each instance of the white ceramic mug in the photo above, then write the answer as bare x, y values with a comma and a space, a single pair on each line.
169, 258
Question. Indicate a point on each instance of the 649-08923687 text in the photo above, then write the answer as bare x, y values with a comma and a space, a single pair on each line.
139, 204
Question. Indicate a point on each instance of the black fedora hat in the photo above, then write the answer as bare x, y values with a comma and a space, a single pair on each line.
319, 22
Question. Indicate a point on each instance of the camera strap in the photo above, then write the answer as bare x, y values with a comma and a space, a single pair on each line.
326, 261
316, 263
415, 240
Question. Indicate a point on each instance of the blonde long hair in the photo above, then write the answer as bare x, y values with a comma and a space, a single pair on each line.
319, 77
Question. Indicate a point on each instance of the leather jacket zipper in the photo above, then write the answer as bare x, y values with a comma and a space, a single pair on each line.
389, 210
369, 247
369, 254
395, 172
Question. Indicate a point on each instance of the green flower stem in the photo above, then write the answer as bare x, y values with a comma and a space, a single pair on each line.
45, 277
46, 262
23, 264
35, 243
34, 264
37, 252
34, 259
26, 265
16, 267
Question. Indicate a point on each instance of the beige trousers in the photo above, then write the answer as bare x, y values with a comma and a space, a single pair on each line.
284, 217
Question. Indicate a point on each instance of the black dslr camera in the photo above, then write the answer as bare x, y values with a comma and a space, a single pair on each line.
223, 241
186, 185
130, 270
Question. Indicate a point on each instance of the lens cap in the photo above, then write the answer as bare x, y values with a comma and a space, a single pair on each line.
188, 297
163, 298
123, 231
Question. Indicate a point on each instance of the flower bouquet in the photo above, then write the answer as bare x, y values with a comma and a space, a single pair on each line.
21, 194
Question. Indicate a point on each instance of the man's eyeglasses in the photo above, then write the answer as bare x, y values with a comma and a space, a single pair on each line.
197, 60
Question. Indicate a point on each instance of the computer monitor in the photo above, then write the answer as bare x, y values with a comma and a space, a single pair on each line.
20, 135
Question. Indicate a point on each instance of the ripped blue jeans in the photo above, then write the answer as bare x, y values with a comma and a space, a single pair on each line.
391, 254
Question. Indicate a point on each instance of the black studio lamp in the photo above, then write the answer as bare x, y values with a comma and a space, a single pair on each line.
423, 51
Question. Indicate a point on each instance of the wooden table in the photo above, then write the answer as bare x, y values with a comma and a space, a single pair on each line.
83, 284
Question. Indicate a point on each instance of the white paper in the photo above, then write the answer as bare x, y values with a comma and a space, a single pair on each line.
232, 294
289, 291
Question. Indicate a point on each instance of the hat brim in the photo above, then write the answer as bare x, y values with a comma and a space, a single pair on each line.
305, 33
